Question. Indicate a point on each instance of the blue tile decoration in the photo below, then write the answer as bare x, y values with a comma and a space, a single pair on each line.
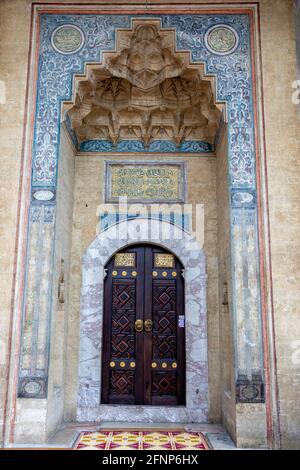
196, 146
70, 131
161, 146
243, 198
180, 220
233, 73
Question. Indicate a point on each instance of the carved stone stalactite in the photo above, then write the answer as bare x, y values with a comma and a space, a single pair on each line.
144, 92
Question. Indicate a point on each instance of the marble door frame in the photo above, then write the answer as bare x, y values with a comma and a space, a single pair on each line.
96, 256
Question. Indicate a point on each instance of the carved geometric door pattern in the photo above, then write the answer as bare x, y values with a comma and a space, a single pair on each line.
143, 359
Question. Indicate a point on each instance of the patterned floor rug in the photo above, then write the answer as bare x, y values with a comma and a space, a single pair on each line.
141, 440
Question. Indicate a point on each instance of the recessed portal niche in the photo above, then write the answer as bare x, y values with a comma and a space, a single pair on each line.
145, 92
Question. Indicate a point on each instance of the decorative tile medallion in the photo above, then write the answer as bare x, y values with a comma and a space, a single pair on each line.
141, 440
43, 195
67, 39
221, 40
32, 387
250, 390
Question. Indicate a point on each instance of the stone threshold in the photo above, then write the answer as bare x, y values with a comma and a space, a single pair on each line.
66, 436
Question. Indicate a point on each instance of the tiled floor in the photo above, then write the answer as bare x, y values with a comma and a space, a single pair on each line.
68, 435
141, 440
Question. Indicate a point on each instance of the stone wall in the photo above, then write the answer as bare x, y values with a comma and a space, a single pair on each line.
297, 21
13, 74
282, 153
226, 359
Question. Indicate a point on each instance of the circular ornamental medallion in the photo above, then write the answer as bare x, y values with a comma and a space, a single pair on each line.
221, 40
67, 39
32, 388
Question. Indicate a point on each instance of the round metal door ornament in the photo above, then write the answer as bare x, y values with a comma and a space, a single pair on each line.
115, 273
164, 365
221, 39
132, 365
67, 39
112, 364
124, 273
122, 364
148, 325
138, 325
134, 273
164, 273
154, 365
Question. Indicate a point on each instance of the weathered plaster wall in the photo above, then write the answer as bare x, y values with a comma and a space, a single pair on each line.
13, 70
297, 21
227, 375
89, 179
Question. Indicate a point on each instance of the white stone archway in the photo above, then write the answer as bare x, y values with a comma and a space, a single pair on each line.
190, 253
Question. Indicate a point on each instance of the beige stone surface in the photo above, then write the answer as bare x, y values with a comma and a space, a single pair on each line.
226, 360
250, 426
30, 423
283, 150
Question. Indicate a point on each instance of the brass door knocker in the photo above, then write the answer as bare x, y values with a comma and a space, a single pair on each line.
138, 325
148, 325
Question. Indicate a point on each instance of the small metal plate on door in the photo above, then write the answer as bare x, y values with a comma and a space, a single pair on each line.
125, 260
163, 260
180, 321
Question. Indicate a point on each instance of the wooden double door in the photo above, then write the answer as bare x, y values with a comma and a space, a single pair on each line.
143, 356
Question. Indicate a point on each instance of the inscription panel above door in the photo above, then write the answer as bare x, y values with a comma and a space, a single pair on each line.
145, 182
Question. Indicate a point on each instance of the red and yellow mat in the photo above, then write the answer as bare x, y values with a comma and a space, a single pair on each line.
141, 440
